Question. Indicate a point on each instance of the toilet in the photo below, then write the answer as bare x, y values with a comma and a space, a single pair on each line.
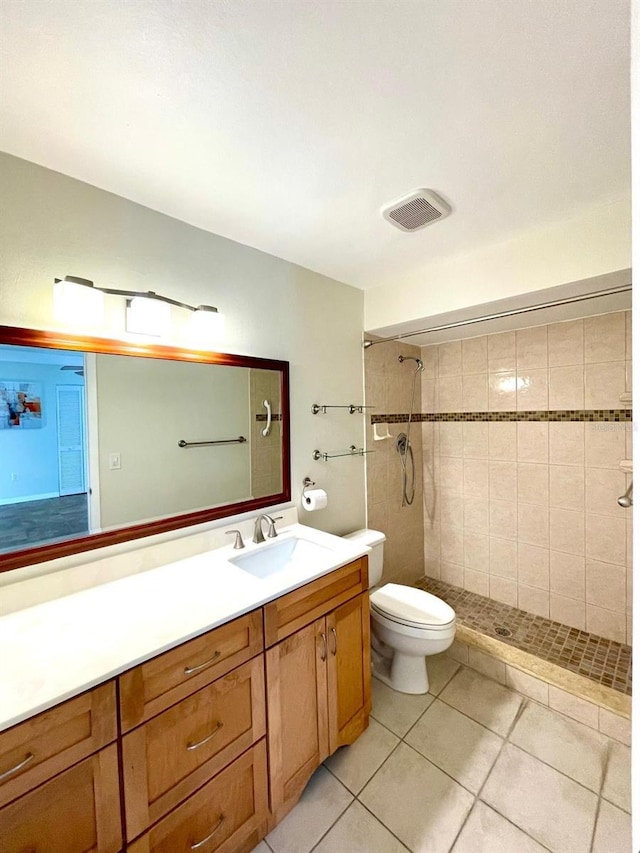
407, 624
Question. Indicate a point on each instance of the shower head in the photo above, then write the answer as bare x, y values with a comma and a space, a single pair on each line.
418, 361
627, 499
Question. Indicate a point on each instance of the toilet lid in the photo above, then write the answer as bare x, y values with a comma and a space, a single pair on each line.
411, 606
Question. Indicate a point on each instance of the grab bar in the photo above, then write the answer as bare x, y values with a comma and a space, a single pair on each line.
267, 429
239, 440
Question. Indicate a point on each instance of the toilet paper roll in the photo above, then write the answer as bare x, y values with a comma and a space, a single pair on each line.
314, 499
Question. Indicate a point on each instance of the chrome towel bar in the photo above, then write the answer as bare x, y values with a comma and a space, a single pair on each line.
239, 440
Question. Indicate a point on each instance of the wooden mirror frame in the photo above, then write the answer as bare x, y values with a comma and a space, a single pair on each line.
56, 340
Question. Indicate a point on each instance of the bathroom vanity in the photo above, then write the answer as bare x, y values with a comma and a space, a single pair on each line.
205, 745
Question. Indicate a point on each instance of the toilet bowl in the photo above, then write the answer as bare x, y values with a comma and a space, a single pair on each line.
407, 625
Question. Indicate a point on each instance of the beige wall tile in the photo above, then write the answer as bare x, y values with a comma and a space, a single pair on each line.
449, 394
476, 478
476, 515
501, 352
474, 355
606, 623
502, 391
475, 393
526, 684
567, 531
376, 389
476, 582
503, 558
531, 347
603, 384
603, 487
476, 551
533, 525
487, 665
449, 358
475, 437
566, 387
429, 401
568, 611
450, 439
451, 474
503, 441
566, 487
532, 389
503, 521
566, 343
605, 538
604, 444
451, 509
533, 566
604, 337
533, 600
501, 589
377, 483
615, 726
578, 709
568, 575
628, 330
452, 573
533, 483
629, 542
606, 585
503, 481
429, 356
451, 545
533, 442
566, 443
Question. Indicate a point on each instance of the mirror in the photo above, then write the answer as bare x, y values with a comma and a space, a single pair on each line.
103, 441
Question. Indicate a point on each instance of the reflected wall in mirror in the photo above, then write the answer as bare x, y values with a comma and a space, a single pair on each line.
103, 441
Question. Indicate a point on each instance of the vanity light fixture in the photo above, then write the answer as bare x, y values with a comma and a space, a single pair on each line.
78, 300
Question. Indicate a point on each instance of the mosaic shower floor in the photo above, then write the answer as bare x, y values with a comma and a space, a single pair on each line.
603, 661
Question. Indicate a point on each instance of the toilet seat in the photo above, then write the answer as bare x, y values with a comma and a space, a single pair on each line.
412, 607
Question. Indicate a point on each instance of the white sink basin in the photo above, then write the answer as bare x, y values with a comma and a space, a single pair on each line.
287, 555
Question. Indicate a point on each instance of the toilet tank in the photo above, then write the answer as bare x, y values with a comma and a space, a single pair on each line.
375, 540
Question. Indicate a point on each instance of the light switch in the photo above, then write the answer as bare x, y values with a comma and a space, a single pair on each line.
114, 461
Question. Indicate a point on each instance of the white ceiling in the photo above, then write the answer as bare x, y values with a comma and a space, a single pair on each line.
288, 124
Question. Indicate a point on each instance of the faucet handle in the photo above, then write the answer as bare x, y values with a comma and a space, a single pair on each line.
272, 532
238, 544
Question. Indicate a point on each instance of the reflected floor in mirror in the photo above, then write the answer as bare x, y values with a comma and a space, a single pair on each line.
31, 522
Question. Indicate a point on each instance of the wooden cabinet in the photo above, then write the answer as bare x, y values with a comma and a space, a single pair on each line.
169, 757
76, 812
318, 684
204, 737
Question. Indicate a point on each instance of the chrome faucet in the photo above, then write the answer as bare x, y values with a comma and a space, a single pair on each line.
258, 535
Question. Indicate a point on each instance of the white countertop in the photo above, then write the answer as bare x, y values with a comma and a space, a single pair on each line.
58, 649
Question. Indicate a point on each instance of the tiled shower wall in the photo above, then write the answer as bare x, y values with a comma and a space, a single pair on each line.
526, 511
388, 389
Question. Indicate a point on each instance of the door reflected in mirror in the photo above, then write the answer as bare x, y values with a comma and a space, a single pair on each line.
95, 442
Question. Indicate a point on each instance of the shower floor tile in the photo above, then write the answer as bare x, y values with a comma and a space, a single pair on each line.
603, 661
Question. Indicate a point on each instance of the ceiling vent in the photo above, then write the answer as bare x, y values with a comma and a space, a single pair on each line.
416, 210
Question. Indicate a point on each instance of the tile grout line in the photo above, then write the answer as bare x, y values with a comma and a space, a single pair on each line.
605, 769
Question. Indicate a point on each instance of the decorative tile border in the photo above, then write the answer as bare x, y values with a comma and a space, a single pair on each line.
594, 415
598, 659
263, 417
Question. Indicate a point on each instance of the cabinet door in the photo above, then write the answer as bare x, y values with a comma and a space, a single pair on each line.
349, 671
297, 711
76, 812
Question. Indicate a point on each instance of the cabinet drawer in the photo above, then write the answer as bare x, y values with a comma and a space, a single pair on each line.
230, 811
154, 686
293, 611
77, 812
172, 755
39, 748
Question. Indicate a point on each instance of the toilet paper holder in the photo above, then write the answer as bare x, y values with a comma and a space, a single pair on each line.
306, 484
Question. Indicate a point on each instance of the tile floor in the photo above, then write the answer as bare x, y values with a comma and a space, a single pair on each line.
471, 767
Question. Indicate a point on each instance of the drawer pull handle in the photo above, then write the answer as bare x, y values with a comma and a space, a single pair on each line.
28, 757
189, 670
335, 642
211, 834
202, 742
323, 656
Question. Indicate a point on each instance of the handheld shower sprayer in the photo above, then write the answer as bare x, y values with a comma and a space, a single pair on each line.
627, 499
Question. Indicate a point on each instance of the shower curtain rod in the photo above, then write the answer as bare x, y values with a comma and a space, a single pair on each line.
612, 291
